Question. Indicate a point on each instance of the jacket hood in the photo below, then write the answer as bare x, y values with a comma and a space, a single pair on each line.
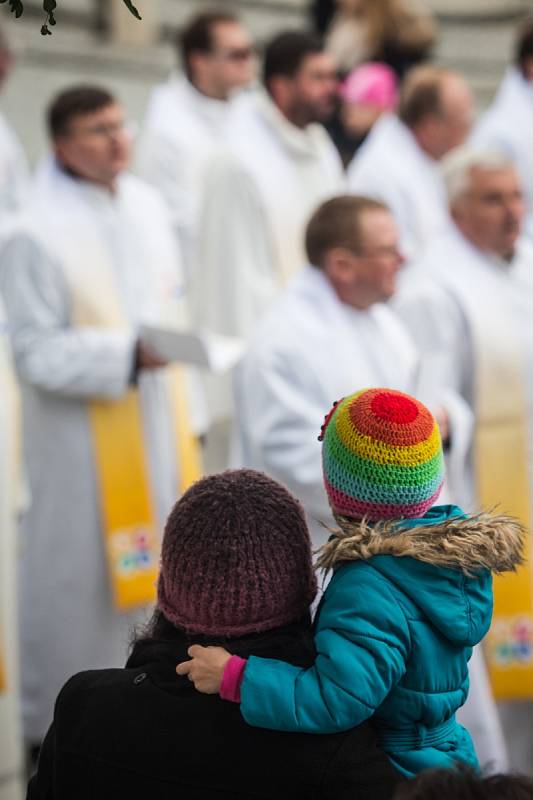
442, 562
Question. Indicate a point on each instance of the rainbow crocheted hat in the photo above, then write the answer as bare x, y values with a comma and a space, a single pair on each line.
381, 456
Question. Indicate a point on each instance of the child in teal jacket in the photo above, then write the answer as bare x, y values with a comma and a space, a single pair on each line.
410, 595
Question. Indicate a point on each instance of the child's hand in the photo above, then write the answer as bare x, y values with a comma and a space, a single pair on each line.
206, 668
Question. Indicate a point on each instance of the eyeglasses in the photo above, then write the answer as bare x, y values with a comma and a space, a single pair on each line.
109, 130
235, 54
392, 252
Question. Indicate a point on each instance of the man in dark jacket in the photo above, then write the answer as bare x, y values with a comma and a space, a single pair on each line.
143, 732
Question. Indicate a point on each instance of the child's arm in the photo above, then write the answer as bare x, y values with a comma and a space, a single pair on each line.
362, 642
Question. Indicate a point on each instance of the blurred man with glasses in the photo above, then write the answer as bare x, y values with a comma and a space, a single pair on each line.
188, 115
330, 329
108, 441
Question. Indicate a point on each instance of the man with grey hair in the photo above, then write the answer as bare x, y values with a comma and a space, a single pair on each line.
508, 122
470, 311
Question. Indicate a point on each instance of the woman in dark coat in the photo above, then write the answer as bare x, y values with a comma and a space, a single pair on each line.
141, 732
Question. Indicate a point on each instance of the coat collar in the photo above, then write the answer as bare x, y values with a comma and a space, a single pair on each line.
468, 544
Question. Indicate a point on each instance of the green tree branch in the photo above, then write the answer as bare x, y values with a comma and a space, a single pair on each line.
50, 8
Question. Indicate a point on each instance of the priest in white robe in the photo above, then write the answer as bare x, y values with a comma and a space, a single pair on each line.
11, 498
14, 173
280, 163
508, 124
329, 334
109, 442
469, 305
399, 162
188, 115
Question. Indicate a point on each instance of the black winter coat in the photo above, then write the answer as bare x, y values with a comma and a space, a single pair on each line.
143, 732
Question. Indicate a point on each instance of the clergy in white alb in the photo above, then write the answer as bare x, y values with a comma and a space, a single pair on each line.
469, 304
11, 498
14, 173
508, 123
108, 438
279, 165
188, 115
399, 162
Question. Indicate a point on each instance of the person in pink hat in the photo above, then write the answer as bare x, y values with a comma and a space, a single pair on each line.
367, 92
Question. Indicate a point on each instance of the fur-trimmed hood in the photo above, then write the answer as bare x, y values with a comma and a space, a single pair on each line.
443, 569
484, 541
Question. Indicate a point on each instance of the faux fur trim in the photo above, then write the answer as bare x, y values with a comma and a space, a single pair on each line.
484, 541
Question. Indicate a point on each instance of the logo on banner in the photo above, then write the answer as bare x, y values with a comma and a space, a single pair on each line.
133, 552
510, 642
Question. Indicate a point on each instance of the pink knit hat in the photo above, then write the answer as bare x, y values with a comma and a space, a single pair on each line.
236, 557
372, 84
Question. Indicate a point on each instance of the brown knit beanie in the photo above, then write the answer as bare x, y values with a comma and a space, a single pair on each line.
236, 557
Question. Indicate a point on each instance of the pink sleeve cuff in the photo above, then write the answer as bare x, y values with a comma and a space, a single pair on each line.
230, 687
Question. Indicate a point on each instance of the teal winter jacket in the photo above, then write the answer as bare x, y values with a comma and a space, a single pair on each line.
393, 634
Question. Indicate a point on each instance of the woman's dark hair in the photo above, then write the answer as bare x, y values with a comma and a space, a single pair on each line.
73, 103
285, 54
464, 783
297, 639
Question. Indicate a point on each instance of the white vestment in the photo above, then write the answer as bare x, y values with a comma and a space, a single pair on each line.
441, 307
392, 167
11, 757
258, 198
181, 130
67, 618
311, 350
507, 126
14, 175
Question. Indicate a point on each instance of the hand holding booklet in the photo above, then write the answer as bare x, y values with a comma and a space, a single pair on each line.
198, 348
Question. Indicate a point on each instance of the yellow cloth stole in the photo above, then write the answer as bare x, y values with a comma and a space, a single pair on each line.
3, 674
500, 457
131, 531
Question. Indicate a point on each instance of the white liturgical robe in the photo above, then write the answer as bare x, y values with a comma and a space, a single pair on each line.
181, 130
258, 198
11, 757
507, 126
67, 618
393, 168
14, 174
